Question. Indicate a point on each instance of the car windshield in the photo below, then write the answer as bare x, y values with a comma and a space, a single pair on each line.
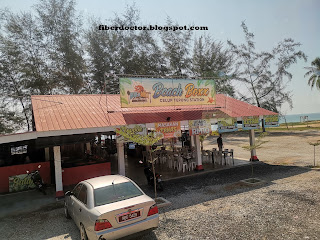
115, 193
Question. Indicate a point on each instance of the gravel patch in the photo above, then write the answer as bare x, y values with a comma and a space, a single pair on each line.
211, 206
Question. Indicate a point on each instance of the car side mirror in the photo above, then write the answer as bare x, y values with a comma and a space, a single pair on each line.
69, 193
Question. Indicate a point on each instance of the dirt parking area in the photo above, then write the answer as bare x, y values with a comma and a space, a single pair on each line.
283, 148
212, 205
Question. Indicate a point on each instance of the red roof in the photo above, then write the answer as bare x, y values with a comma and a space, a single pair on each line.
62, 112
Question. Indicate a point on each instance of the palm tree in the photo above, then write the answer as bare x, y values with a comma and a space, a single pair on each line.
314, 71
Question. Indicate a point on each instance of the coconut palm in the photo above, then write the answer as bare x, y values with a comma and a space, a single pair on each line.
314, 71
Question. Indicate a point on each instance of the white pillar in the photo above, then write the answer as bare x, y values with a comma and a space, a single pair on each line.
192, 141
252, 143
58, 171
121, 158
88, 148
47, 154
199, 166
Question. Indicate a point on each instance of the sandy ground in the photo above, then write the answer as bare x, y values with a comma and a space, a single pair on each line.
283, 148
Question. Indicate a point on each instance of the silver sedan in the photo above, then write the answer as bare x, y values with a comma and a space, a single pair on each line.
110, 207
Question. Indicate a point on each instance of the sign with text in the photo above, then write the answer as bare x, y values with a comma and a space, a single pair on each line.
271, 121
168, 129
251, 122
150, 92
227, 125
138, 129
202, 126
20, 182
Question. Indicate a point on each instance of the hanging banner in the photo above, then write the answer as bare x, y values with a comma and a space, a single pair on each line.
202, 126
227, 125
168, 129
20, 182
138, 129
271, 121
251, 122
151, 92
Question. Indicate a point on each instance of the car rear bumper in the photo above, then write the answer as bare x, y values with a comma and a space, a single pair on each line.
149, 223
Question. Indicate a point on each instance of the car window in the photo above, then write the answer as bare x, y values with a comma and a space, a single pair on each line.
76, 190
83, 194
115, 193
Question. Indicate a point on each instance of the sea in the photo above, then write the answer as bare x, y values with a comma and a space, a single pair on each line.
299, 117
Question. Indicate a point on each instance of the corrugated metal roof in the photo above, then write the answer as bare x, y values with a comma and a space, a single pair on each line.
65, 112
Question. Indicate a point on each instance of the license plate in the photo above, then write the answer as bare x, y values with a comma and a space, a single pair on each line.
128, 216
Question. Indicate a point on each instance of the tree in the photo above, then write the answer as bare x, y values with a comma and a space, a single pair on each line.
176, 50
144, 140
61, 28
314, 71
258, 144
265, 74
10, 121
122, 52
211, 60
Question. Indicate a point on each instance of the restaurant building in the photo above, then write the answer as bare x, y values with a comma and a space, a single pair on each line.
74, 136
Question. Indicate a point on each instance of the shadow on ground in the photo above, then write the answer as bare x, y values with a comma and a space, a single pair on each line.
227, 179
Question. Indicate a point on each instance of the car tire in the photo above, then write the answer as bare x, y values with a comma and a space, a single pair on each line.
83, 234
66, 212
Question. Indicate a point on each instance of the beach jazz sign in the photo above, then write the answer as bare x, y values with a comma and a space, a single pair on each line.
168, 129
227, 125
202, 126
271, 121
251, 122
150, 92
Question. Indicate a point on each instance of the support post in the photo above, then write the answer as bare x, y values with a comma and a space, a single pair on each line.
46, 154
88, 148
252, 143
192, 141
121, 158
199, 166
58, 171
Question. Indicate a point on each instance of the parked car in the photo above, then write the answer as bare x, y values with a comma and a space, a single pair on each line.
110, 207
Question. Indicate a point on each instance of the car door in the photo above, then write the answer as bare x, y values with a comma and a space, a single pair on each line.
80, 206
73, 197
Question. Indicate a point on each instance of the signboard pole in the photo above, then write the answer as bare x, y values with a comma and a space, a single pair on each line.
58, 171
121, 158
199, 166
252, 143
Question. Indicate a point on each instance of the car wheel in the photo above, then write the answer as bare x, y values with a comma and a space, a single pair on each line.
66, 212
83, 233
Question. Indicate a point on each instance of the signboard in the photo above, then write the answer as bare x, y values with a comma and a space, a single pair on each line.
139, 129
150, 92
251, 122
20, 182
227, 125
168, 129
19, 150
271, 121
202, 126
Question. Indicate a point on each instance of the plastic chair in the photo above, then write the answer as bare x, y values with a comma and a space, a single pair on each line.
205, 156
192, 165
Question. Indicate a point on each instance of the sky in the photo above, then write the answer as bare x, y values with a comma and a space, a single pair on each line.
270, 20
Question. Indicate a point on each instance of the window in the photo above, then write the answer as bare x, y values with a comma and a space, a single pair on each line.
83, 194
76, 190
115, 193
